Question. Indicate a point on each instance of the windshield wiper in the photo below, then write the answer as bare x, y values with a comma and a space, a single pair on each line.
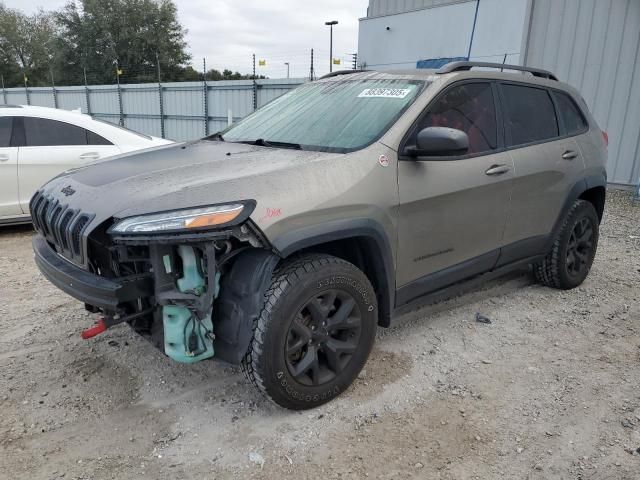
267, 143
216, 136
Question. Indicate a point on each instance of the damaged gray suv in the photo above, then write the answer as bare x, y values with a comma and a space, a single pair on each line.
282, 242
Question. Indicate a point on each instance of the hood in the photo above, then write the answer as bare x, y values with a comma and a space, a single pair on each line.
180, 176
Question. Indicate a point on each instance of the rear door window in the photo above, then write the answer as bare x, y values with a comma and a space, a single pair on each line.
42, 132
572, 118
529, 114
5, 131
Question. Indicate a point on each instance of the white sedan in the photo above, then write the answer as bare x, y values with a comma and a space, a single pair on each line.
38, 143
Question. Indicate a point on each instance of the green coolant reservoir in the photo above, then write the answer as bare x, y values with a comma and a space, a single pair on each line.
187, 339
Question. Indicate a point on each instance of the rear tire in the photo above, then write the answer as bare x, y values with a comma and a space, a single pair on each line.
574, 248
314, 333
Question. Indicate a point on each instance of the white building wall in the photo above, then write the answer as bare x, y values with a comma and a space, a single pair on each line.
430, 33
441, 32
499, 31
595, 46
378, 8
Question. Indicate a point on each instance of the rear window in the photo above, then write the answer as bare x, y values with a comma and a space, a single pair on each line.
95, 139
574, 121
124, 129
530, 116
5, 131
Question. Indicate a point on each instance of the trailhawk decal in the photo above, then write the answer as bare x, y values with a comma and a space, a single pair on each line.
384, 93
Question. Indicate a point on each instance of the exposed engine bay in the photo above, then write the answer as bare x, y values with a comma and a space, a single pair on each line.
197, 306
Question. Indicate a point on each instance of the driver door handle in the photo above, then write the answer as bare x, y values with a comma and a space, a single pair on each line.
497, 170
4, 158
569, 155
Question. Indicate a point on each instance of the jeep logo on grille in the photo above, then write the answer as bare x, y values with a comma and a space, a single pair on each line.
68, 190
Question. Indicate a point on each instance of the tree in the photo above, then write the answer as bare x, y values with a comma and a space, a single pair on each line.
98, 38
227, 74
98, 35
27, 46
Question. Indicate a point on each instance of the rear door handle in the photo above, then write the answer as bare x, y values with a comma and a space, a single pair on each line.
569, 155
90, 156
4, 158
497, 170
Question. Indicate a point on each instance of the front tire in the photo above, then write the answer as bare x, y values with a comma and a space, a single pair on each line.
314, 333
574, 248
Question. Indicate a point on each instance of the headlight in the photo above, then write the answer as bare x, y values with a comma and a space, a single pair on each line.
180, 220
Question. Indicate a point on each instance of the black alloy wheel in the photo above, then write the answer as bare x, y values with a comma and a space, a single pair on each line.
323, 337
580, 247
314, 333
574, 247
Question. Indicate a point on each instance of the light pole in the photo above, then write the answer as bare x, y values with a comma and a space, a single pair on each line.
287, 64
331, 24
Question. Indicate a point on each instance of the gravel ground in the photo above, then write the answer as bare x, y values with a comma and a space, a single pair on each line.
549, 390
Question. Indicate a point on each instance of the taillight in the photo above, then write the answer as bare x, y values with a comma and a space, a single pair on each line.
605, 135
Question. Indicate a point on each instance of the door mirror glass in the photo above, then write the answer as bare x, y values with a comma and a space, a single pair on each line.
439, 142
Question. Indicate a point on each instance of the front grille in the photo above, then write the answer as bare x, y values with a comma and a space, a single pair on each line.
76, 234
60, 225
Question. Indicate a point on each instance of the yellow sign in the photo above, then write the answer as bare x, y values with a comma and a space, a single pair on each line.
120, 72
337, 61
25, 78
262, 63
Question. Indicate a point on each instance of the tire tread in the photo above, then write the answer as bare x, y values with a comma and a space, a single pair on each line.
547, 271
285, 276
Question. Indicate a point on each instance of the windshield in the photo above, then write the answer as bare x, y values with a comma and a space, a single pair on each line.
335, 116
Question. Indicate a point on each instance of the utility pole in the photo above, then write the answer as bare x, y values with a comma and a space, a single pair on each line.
355, 60
331, 24
287, 64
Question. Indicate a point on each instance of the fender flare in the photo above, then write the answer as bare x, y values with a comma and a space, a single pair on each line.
381, 263
581, 186
242, 289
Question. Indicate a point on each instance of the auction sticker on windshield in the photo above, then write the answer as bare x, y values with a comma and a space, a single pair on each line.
385, 92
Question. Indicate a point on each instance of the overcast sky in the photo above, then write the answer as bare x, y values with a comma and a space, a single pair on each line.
227, 32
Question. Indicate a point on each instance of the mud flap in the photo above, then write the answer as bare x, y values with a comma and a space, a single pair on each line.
240, 302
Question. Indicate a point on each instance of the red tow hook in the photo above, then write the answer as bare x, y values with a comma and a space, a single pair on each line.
95, 330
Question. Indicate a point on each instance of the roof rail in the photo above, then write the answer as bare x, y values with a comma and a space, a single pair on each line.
341, 72
465, 66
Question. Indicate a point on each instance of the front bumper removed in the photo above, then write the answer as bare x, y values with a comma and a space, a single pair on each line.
107, 294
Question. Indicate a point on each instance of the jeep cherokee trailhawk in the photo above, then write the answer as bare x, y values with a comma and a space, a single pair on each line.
283, 241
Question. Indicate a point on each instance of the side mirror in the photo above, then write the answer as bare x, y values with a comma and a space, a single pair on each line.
439, 142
